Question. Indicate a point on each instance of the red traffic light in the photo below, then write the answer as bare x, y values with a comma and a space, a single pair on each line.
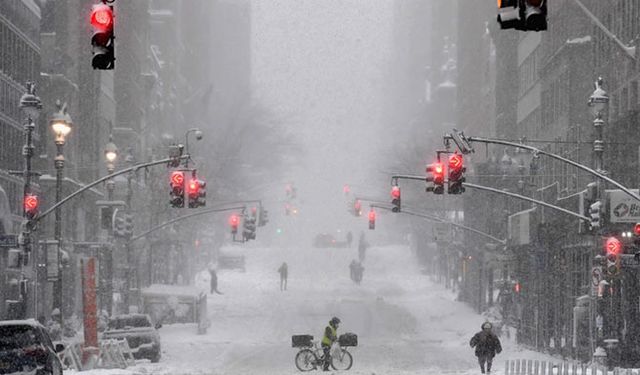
102, 16
346, 189
516, 287
234, 220
395, 192
438, 168
613, 246
636, 229
357, 205
194, 186
455, 161
372, 215
177, 178
30, 202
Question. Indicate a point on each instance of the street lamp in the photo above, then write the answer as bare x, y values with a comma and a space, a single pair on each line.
598, 103
61, 125
199, 136
110, 155
30, 105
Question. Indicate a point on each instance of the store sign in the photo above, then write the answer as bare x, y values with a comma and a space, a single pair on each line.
623, 208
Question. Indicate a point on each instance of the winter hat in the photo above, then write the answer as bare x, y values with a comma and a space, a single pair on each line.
487, 325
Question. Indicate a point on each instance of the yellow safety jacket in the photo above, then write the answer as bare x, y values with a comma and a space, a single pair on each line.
329, 339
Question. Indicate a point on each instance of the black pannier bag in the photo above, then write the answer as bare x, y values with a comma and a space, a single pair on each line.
348, 339
299, 341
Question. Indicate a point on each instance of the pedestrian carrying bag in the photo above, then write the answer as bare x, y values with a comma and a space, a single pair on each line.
348, 339
300, 341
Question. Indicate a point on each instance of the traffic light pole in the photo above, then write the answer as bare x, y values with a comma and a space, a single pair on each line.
180, 218
440, 220
103, 179
536, 151
498, 191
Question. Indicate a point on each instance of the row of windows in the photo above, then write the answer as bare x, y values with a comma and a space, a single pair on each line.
528, 73
18, 59
10, 99
24, 18
10, 147
555, 99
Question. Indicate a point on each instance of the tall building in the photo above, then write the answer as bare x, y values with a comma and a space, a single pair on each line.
19, 63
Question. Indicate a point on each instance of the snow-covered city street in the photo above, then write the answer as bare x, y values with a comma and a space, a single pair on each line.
406, 323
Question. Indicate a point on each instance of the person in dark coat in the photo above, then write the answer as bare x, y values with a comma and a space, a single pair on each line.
214, 281
284, 273
487, 346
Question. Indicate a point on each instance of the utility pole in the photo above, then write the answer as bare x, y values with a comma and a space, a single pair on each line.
131, 267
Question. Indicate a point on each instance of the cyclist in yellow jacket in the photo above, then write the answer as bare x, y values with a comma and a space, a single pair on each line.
330, 336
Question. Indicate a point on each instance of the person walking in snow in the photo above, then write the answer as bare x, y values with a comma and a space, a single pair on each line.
284, 274
214, 281
487, 346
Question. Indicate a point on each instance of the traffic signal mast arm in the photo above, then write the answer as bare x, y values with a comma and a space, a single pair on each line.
629, 50
518, 196
439, 220
103, 179
535, 150
498, 191
180, 218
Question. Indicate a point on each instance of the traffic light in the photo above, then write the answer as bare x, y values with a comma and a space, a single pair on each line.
613, 248
595, 215
509, 14
119, 230
357, 208
456, 174
395, 198
197, 193
346, 189
517, 287
31, 206
128, 225
435, 174
234, 220
263, 217
103, 40
535, 15
249, 228
177, 189
525, 15
372, 219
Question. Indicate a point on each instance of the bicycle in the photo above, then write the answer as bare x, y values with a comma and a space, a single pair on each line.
312, 357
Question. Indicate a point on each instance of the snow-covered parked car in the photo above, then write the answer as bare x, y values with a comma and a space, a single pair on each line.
141, 335
25, 348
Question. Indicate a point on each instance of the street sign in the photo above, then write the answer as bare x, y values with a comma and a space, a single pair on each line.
9, 240
442, 232
622, 208
629, 261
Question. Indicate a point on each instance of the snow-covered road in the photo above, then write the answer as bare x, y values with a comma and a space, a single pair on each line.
405, 323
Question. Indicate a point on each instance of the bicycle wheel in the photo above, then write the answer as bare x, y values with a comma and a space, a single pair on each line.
344, 361
306, 360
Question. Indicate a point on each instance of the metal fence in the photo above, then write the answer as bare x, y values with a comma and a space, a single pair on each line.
536, 367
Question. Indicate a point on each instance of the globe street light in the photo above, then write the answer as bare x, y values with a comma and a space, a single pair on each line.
598, 103
30, 105
110, 155
61, 125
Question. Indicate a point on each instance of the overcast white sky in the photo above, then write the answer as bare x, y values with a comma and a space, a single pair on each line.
321, 65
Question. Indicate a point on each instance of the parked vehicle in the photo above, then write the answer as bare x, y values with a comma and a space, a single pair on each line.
141, 335
25, 347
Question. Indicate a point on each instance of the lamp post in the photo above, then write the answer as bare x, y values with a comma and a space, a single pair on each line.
106, 296
31, 105
110, 155
198, 134
598, 102
61, 125
131, 271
